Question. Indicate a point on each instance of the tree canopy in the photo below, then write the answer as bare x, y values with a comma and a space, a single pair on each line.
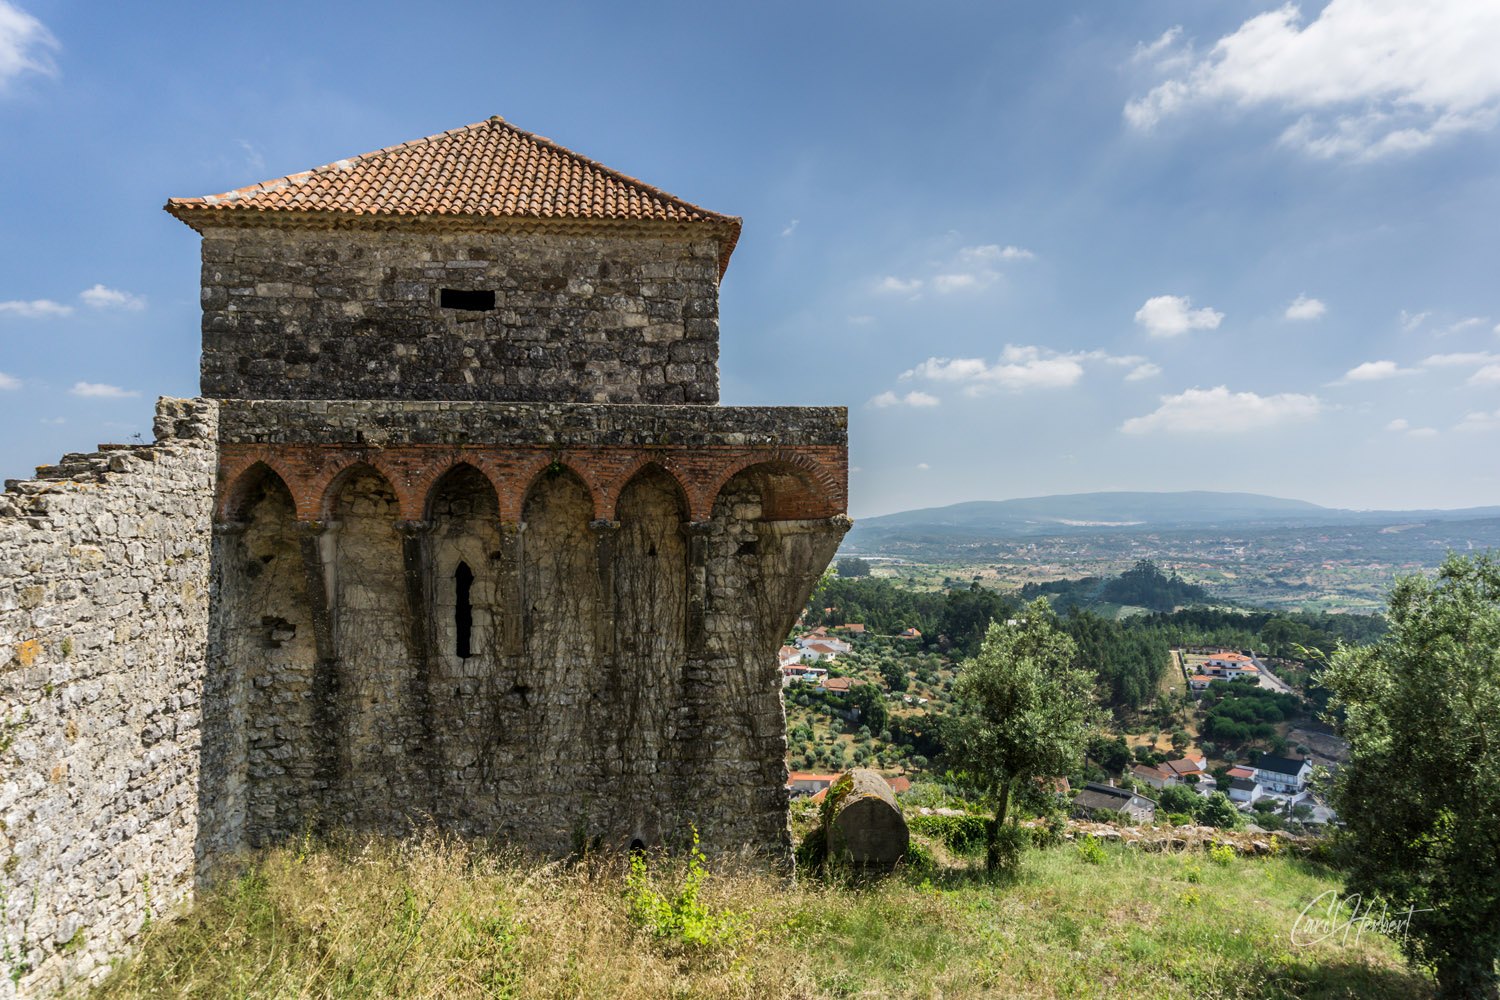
1421, 792
1026, 710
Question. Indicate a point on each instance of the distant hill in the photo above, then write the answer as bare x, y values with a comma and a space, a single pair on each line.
1095, 512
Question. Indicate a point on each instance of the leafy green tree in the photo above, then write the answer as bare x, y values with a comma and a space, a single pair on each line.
873, 714
1421, 791
1112, 754
1178, 799
1027, 711
853, 566
1218, 811
894, 675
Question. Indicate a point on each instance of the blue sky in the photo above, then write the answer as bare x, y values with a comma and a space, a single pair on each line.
1035, 247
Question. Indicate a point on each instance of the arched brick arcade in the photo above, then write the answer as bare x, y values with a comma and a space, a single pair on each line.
472, 633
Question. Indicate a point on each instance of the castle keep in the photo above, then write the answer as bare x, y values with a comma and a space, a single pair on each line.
458, 534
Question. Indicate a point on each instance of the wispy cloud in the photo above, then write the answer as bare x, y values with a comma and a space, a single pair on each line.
1410, 321
970, 269
1462, 359
899, 286
98, 390
992, 252
1375, 371
1023, 367
99, 297
26, 46
9, 381
1488, 375
1174, 315
1217, 410
1364, 78
919, 400
1402, 426
1481, 421
1303, 308
34, 309
790, 227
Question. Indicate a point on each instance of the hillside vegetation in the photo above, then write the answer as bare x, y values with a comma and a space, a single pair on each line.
437, 918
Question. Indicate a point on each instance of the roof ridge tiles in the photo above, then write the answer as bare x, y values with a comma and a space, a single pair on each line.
492, 169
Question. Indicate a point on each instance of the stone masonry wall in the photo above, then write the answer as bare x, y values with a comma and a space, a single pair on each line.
104, 580
355, 314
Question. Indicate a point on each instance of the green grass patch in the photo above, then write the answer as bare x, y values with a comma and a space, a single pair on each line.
441, 918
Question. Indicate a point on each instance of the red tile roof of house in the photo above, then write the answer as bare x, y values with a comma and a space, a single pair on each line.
485, 171
838, 683
899, 783
1241, 772
811, 776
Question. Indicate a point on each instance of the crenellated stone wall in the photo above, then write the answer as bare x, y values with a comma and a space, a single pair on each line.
359, 314
104, 594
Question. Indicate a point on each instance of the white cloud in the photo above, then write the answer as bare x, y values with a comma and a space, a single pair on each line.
1017, 369
861, 320
994, 252
1024, 367
1468, 323
1172, 315
1218, 410
1374, 371
1167, 41
1488, 375
1402, 426
1410, 321
1303, 307
914, 399
1484, 421
791, 227
25, 44
98, 390
100, 297
899, 286
9, 381
1365, 78
36, 308
946, 283
1461, 360
923, 466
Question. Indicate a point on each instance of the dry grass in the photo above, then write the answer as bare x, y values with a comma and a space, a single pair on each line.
438, 918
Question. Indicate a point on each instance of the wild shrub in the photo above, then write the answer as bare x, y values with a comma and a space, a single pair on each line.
677, 917
1090, 850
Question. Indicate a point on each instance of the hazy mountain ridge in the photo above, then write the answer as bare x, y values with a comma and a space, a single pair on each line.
1129, 511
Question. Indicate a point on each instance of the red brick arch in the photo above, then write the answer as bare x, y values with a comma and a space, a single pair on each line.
526, 475
236, 479
825, 494
433, 476
331, 484
679, 476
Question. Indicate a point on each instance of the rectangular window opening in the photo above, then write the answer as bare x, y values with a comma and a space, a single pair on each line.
458, 298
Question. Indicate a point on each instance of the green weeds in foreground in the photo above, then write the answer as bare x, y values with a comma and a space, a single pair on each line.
439, 918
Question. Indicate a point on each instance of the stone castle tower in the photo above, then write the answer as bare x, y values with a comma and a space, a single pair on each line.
458, 534
486, 551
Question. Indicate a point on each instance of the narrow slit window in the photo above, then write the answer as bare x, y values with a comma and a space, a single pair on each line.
463, 610
458, 298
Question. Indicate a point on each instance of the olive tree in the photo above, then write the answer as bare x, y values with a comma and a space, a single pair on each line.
1421, 792
1025, 711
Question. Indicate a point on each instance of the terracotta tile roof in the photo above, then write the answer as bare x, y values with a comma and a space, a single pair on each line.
488, 170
